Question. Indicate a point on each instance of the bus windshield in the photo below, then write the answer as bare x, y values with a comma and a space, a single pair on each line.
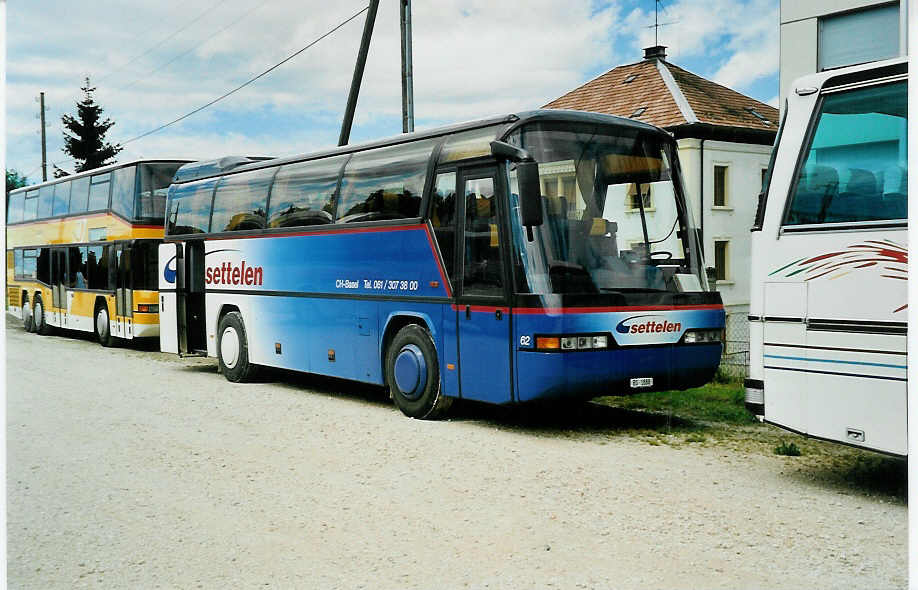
614, 220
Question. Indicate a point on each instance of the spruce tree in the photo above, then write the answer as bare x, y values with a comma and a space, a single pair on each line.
85, 141
15, 180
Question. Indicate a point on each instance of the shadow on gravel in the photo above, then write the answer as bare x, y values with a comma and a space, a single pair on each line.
329, 386
861, 472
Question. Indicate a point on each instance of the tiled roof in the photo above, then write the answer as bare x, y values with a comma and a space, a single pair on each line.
671, 96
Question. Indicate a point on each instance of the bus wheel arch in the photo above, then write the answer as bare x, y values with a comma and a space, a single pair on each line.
233, 346
412, 372
395, 323
102, 323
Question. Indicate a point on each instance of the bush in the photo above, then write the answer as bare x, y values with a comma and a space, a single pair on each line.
787, 449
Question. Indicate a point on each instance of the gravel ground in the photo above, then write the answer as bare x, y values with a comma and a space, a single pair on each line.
128, 468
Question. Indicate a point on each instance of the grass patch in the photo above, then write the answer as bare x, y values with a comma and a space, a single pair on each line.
788, 449
715, 402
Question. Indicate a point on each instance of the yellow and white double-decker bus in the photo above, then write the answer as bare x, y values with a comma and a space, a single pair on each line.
81, 251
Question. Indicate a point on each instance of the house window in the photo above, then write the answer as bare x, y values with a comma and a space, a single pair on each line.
635, 202
858, 37
720, 186
721, 252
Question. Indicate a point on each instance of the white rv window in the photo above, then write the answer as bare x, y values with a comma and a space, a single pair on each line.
856, 164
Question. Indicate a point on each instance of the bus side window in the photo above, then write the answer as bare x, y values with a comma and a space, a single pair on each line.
443, 218
76, 275
61, 198
79, 194
14, 214
189, 208
240, 201
98, 268
305, 193
385, 183
856, 160
99, 191
17, 263
30, 210
45, 200
123, 192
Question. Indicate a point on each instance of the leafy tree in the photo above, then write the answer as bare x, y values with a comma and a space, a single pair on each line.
86, 141
15, 180
58, 172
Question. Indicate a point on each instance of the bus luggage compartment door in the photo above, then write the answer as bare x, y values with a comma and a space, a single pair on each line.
170, 279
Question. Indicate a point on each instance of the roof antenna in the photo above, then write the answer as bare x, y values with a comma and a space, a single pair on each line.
656, 22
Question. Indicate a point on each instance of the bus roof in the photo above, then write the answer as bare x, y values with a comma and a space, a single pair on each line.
99, 170
213, 168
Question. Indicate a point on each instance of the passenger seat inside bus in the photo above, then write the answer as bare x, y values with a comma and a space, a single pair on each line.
816, 190
894, 202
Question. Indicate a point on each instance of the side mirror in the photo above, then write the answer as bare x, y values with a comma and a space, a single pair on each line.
527, 174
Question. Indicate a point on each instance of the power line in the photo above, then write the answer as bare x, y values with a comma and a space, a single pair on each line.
161, 41
246, 83
184, 53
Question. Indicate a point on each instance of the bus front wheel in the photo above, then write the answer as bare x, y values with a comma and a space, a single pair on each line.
103, 327
413, 374
233, 348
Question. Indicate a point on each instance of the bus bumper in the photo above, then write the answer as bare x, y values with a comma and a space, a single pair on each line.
146, 330
589, 374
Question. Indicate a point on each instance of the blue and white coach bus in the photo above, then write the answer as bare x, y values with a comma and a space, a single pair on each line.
548, 254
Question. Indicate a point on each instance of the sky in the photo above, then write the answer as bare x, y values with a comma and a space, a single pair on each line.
152, 62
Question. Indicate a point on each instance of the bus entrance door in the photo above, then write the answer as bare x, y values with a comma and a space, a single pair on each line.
124, 300
171, 274
58, 295
483, 316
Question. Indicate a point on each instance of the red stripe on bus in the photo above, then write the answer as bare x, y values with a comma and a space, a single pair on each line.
356, 230
433, 250
573, 310
481, 308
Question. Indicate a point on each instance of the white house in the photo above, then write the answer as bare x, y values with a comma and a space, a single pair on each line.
724, 140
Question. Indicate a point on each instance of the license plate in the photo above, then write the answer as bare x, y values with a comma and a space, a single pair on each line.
642, 382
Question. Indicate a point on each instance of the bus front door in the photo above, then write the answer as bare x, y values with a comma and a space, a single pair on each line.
483, 315
124, 300
58, 294
170, 274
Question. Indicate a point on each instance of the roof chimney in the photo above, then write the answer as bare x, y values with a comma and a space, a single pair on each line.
655, 52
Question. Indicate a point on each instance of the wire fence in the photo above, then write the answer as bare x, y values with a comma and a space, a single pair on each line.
735, 361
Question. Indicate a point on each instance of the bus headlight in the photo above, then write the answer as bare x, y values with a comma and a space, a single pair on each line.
572, 342
702, 336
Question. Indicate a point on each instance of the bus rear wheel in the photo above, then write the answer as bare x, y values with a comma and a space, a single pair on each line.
413, 374
38, 318
233, 349
27, 314
103, 327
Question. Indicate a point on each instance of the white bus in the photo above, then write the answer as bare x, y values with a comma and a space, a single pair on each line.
829, 262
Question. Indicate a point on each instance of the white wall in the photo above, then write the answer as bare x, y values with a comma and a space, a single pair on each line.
799, 22
745, 163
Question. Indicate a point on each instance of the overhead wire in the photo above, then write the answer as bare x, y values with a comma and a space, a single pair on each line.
161, 41
250, 80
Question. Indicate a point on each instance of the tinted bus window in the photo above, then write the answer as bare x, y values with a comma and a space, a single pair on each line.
29, 263
79, 194
30, 210
304, 193
45, 201
856, 164
17, 263
98, 268
189, 208
240, 201
154, 184
76, 275
474, 143
145, 256
385, 183
43, 265
14, 213
61, 199
443, 217
123, 192
98, 191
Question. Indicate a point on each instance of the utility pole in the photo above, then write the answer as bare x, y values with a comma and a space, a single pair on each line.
407, 79
358, 74
44, 156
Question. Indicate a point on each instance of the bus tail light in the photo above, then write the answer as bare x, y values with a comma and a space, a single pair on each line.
703, 336
148, 308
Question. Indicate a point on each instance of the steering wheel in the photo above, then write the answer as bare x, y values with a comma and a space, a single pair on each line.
663, 254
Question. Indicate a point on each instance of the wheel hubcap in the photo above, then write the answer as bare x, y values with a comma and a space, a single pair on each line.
102, 322
38, 314
410, 371
26, 313
229, 347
